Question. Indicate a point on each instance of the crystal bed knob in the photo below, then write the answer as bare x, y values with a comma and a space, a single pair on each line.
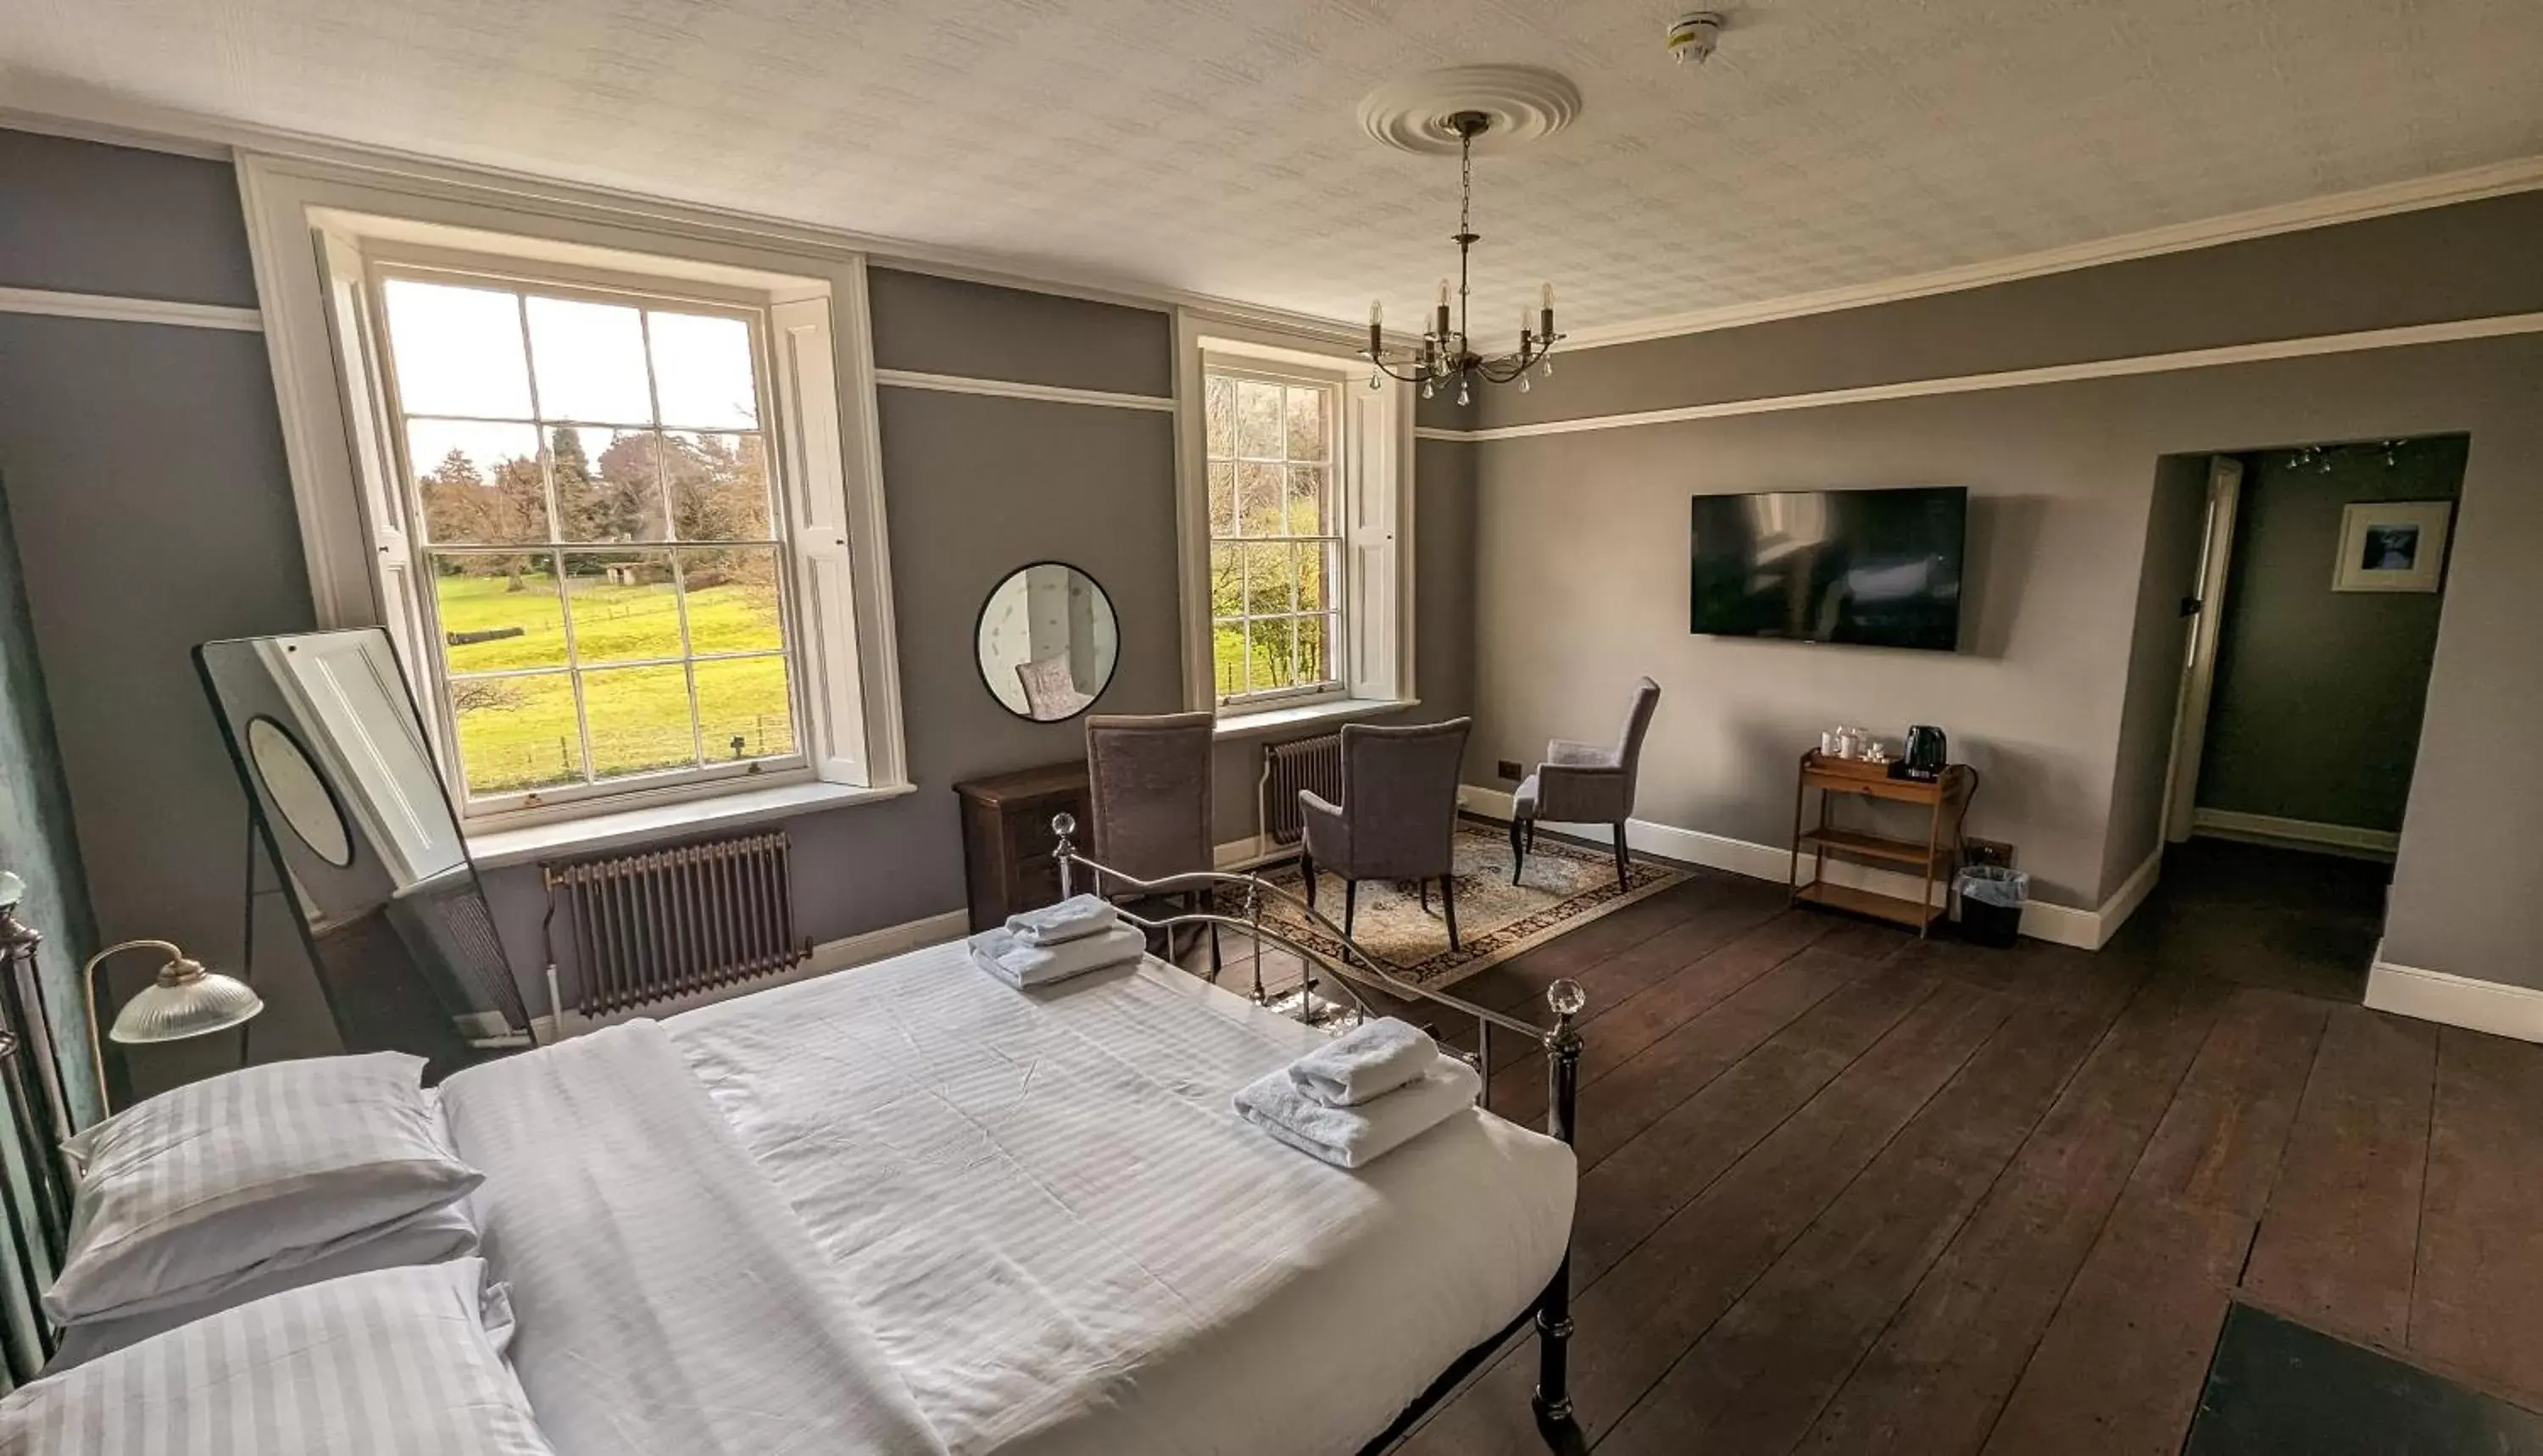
1565, 998
1064, 826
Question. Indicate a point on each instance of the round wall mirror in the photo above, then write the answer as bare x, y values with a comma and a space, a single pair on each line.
298, 794
1047, 641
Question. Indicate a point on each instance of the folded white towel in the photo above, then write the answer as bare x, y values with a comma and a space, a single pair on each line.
1001, 955
1352, 1137
1369, 1060
1070, 919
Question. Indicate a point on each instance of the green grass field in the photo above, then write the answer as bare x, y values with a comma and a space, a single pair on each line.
520, 732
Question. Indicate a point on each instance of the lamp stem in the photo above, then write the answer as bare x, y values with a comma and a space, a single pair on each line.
88, 988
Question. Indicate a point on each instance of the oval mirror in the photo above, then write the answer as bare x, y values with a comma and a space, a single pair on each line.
298, 794
1047, 641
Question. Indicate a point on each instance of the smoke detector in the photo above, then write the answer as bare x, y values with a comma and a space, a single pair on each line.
1693, 36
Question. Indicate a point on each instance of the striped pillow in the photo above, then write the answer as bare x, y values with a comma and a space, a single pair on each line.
430, 1237
393, 1363
180, 1196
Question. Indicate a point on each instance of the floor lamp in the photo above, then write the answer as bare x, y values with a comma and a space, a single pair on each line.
185, 1001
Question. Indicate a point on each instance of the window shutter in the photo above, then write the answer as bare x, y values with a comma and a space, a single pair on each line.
376, 457
816, 495
1370, 538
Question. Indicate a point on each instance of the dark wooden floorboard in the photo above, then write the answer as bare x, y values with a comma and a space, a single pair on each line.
1636, 1320
1618, 1030
1760, 1375
2341, 1240
2477, 1303
2120, 1366
1618, 1109
1627, 1196
1948, 1361
1848, 1190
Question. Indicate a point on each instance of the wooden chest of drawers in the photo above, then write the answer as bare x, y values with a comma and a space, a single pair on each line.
1007, 843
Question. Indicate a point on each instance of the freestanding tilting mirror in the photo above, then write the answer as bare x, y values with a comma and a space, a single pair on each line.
1047, 641
327, 742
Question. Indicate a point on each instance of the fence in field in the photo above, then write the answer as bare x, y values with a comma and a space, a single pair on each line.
495, 768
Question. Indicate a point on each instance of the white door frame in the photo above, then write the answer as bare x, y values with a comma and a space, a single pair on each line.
2198, 662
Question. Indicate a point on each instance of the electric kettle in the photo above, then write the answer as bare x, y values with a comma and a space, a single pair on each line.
1927, 753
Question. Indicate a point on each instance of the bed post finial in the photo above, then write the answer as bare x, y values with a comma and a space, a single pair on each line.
1063, 826
1553, 1402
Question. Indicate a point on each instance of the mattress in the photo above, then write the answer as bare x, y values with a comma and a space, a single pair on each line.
1062, 1238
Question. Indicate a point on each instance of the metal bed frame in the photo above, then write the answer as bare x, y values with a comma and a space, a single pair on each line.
1561, 1043
39, 1110
31, 1081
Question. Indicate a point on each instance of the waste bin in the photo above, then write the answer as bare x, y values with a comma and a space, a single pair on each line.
1991, 903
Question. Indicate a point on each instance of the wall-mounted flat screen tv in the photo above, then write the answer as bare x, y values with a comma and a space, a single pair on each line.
1873, 568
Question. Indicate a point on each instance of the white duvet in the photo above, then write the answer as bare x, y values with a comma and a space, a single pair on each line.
1041, 1211
1065, 1241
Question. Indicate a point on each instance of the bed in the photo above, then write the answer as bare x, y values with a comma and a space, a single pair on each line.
907, 1207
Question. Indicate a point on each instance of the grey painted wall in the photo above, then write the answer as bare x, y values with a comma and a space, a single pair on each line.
1582, 576
2319, 693
2466, 260
157, 513
2176, 538
1581, 565
933, 324
2468, 889
976, 485
153, 511
87, 219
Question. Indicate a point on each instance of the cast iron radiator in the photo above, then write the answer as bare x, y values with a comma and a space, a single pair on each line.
1309, 763
671, 922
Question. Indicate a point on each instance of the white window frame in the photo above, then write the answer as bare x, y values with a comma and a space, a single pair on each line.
391, 262
1372, 494
1336, 519
315, 228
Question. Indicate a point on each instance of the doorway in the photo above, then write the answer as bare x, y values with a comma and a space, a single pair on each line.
2309, 632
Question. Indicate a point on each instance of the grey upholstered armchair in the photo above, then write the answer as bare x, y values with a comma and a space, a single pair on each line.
1584, 784
1398, 818
1148, 785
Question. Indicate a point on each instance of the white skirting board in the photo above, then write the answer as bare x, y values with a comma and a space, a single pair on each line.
2454, 1000
827, 957
2058, 924
2339, 839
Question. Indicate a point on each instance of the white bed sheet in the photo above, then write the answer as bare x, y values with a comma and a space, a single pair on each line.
1065, 1241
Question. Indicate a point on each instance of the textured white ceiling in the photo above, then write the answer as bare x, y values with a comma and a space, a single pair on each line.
1210, 144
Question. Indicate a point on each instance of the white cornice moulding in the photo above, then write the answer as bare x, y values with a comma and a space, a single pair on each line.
190, 134
113, 308
2524, 174
114, 134
1010, 389
85, 117
2455, 331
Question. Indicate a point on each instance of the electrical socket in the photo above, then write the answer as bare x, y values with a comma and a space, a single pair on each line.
1986, 851
1508, 770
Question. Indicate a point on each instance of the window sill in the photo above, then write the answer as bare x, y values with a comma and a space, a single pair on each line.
1264, 722
625, 828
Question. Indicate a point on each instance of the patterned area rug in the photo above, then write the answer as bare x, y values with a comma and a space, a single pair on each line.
1566, 886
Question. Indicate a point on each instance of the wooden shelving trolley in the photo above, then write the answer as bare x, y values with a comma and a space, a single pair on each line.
1946, 799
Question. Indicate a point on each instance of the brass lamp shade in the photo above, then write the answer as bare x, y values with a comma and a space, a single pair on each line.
185, 1001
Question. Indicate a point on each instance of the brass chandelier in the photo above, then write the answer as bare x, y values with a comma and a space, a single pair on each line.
1445, 352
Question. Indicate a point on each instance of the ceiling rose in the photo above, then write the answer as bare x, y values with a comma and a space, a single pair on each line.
1522, 103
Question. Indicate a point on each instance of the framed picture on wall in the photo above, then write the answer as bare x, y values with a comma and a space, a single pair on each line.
2392, 546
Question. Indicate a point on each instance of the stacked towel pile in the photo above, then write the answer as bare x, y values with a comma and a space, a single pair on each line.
1361, 1096
1038, 946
